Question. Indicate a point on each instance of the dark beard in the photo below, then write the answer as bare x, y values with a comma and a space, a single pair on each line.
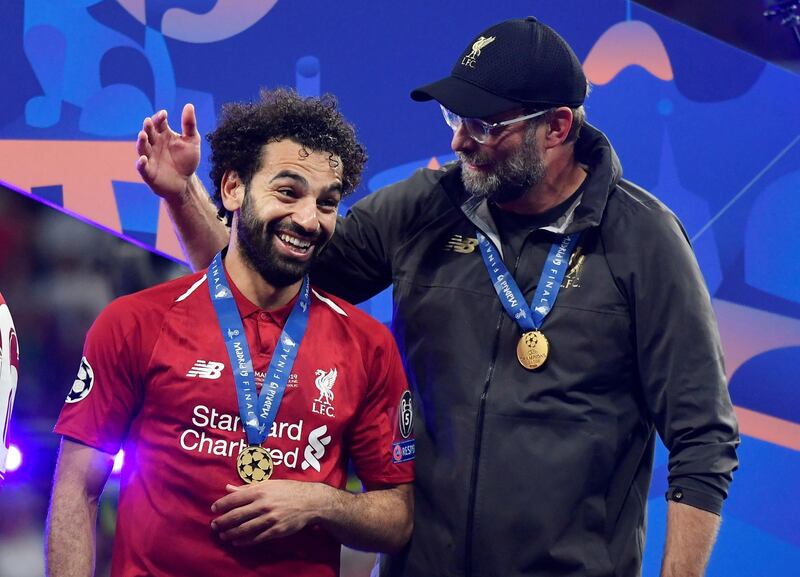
256, 247
518, 174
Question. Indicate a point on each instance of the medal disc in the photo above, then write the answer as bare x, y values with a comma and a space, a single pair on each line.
532, 350
254, 464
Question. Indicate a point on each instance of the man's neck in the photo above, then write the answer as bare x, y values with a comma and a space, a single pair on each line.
253, 286
561, 181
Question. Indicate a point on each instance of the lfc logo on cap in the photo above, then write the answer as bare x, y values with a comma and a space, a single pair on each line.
477, 46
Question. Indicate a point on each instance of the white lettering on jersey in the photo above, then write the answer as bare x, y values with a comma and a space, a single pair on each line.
202, 436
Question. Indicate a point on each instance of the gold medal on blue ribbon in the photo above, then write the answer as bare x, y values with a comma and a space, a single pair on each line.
532, 350
254, 464
533, 347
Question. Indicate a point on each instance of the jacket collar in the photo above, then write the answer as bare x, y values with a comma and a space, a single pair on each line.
605, 171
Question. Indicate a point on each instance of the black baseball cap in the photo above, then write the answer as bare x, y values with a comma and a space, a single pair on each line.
513, 64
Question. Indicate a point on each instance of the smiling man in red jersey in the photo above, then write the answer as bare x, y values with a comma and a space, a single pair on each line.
239, 393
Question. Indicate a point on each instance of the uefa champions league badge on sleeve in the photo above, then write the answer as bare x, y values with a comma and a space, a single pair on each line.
83, 383
403, 451
406, 415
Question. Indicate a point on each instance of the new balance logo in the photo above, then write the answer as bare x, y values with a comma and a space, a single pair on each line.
460, 244
206, 370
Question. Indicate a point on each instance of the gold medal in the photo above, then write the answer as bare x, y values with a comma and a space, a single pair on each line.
254, 464
532, 350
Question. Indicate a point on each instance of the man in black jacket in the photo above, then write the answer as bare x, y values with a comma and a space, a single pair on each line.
553, 319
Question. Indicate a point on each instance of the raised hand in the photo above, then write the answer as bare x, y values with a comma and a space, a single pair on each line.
167, 159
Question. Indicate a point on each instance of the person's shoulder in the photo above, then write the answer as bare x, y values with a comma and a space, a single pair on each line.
637, 219
633, 206
154, 302
631, 197
425, 177
419, 186
350, 315
414, 201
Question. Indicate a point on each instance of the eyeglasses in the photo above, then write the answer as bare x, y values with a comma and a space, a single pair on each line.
479, 130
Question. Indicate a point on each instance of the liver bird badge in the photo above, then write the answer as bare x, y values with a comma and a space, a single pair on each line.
324, 383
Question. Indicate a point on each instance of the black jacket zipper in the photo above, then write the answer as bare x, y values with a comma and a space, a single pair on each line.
478, 436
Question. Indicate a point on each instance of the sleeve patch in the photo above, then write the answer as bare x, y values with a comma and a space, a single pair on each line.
406, 415
83, 383
403, 451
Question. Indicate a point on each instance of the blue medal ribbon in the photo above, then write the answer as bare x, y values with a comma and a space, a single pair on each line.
257, 412
529, 318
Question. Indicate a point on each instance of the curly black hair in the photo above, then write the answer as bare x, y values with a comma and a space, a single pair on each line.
314, 123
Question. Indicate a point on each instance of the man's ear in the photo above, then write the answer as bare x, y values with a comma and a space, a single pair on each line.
558, 126
232, 190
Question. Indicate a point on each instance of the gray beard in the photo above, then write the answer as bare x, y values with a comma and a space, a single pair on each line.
518, 174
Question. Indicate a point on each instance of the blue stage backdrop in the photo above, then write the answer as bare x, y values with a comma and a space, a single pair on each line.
713, 131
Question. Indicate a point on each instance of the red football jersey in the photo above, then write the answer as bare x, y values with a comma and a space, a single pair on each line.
156, 380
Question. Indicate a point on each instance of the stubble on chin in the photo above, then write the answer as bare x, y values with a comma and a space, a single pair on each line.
508, 180
257, 251
480, 185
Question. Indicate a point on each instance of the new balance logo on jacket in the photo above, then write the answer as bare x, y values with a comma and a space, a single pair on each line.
206, 370
461, 244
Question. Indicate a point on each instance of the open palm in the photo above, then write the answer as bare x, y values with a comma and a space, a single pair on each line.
167, 159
